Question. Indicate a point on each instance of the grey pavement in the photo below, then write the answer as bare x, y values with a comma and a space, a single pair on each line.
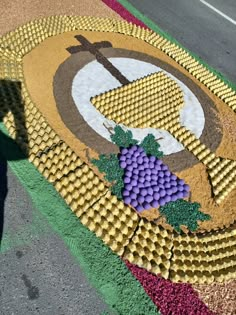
198, 28
37, 274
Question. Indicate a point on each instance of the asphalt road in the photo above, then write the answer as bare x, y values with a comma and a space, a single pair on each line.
198, 28
38, 275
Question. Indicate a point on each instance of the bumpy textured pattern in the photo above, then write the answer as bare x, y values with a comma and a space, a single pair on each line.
151, 248
38, 136
131, 30
216, 250
155, 101
223, 176
57, 161
222, 172
112, 221
187, 258
201, 73
10, 65
28, 36
81, 189
90, 23
204, 259
156, 40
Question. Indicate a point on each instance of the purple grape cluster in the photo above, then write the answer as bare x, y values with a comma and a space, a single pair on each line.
148, 182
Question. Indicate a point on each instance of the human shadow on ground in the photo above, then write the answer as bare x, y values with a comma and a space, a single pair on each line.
11, 102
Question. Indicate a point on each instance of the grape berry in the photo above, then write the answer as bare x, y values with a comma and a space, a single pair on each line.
148, 182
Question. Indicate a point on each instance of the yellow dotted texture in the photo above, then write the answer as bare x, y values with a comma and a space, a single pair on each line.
75, 181
187, 258
28, 127
205, 258
222, 172
151, 248
10, 65
112, 221
90, 23
26, 37
82, 189
152, 101
200, 72
29, 35
155, 101
56, 161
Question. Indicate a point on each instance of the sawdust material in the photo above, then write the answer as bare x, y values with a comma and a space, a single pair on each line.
17, 12
222, 215
227, 118
219, 297
73, 118
37, 68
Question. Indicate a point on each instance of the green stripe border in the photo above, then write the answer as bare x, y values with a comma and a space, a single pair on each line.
149, 23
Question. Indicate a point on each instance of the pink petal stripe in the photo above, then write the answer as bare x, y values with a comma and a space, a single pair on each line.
170, 298
125, 14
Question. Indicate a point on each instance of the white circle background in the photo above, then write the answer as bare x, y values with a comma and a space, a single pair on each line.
93, 79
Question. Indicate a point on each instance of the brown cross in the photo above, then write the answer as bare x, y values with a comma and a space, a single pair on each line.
94, 50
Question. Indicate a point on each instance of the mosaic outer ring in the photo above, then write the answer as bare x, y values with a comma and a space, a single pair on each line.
184, 258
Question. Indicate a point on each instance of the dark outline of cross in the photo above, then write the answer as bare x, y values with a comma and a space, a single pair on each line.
94, 50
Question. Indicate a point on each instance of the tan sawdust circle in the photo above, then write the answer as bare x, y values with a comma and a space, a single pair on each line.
72, 118
41, 65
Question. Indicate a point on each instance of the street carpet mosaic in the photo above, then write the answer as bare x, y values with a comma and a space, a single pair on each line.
137, 137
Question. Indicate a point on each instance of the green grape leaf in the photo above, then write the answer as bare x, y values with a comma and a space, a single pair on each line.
151, 146
117, 188
182, 212
123, 138
109, 164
